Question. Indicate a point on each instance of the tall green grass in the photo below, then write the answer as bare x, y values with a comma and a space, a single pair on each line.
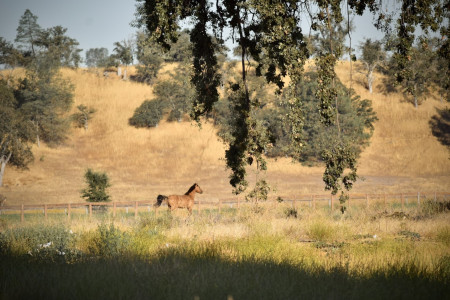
279, 257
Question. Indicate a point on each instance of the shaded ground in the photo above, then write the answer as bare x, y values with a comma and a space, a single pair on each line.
207, 276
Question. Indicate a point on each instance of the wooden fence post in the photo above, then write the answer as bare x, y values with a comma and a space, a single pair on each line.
403, 200
314, 201
22, 217
331, 202
135, 209
90, 210
418, 198
238, 205
68, 211
45, 211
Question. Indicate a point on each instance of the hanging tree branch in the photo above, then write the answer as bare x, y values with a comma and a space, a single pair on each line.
269, 31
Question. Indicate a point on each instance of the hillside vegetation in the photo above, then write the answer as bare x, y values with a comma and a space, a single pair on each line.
403, 154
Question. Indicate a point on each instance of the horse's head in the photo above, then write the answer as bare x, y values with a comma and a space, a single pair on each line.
197, 188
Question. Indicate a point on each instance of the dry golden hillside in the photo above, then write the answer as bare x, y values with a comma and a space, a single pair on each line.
141, 163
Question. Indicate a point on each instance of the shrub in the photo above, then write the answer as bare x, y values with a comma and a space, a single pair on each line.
291, 212
430, 208
148, 114
40, 241
109, 241
443, 235
320, 231
97, 185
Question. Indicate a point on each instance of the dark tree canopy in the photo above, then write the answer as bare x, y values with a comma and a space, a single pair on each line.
16, 133
97, 57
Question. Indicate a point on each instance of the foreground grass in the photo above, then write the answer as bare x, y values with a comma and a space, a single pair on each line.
176, 274
363, 255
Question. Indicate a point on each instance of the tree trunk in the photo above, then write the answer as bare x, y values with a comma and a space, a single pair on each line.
416, 102
4, 160
370, 80
85, 121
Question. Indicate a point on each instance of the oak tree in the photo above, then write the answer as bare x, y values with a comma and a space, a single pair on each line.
269, 32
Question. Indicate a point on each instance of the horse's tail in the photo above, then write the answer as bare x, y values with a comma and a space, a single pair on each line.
160, 199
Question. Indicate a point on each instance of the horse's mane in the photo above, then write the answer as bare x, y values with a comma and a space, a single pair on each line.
191, 189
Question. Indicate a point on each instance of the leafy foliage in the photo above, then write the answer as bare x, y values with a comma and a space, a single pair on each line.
149, 57
172, 96
372, 56
44, 98
148, 114
97, 184
124, 52
356, 116
51, 42
42, 242
339, 159
62, 48
269, 32
97, 57
28, 32
9, 56
16, 134
259, 192
109, 241
83, 116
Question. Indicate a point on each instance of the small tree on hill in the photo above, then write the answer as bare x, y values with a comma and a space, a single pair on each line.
372, 56
97, 184
28, 32
62, 48
97, 57
83, 116
149, 55
124, 52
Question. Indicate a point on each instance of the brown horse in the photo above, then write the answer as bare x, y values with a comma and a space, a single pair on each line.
180, 201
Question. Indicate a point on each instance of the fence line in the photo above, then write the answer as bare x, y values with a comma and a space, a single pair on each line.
312, 201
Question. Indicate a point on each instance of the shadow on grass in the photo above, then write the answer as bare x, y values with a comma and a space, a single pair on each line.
186, 274
440, 126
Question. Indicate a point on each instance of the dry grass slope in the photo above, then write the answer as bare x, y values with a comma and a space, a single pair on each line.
142, 163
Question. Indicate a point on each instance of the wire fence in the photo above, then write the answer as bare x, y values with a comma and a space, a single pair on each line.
313, 201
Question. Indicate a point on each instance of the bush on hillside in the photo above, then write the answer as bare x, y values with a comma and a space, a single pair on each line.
149, 114
173, 96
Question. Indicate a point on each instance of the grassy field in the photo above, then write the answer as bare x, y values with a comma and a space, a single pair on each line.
263, 253
266, 252
403, 155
